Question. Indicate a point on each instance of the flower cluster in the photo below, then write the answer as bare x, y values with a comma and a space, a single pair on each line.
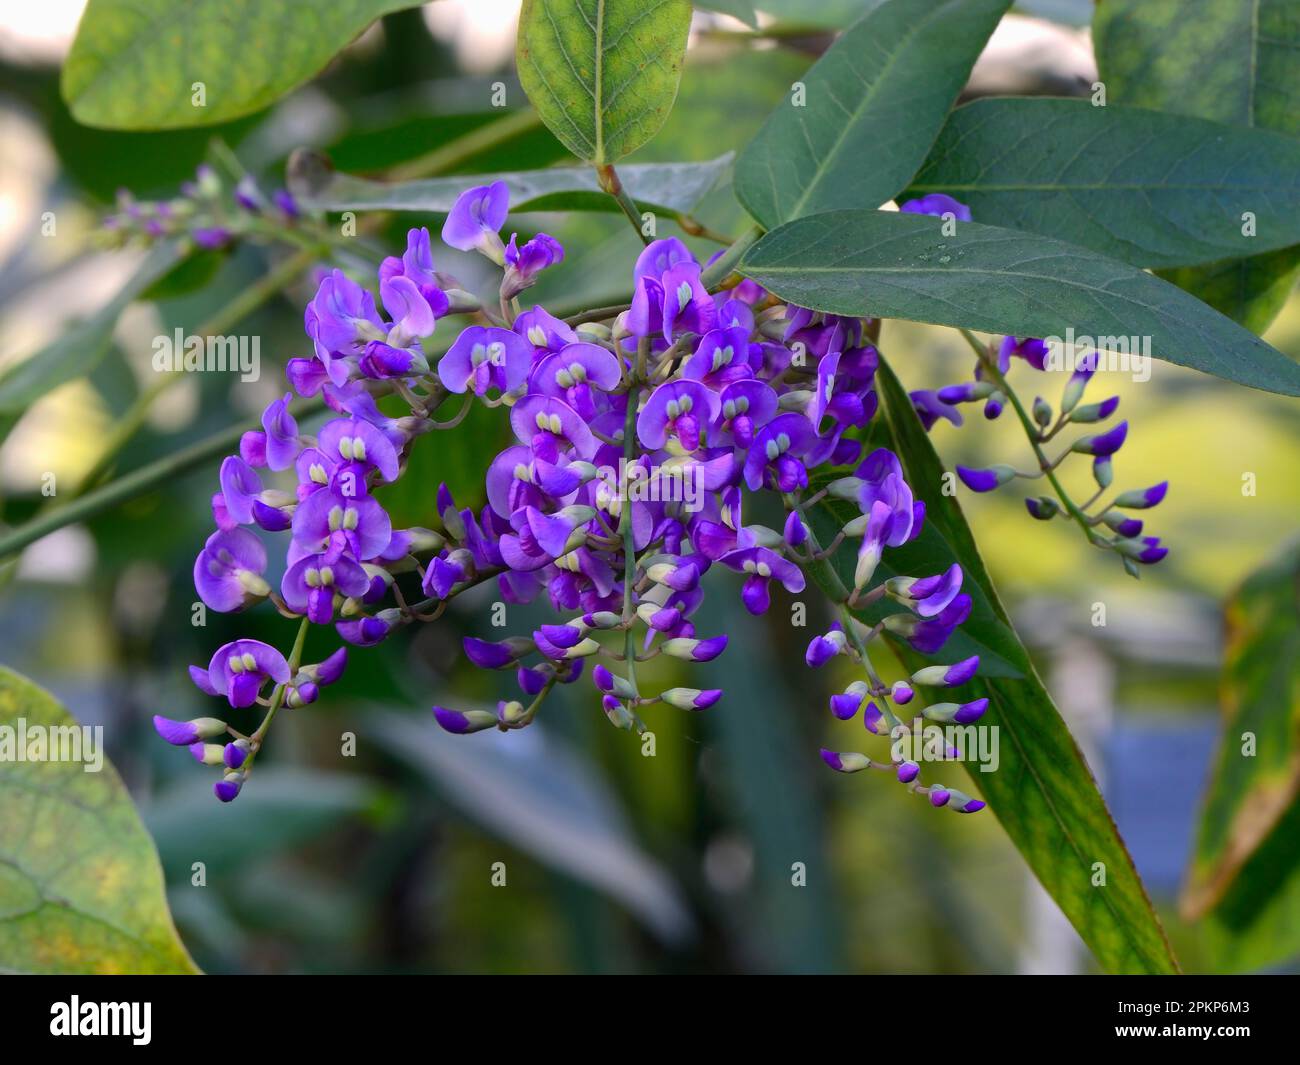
640, 441
203, 212
1042, 424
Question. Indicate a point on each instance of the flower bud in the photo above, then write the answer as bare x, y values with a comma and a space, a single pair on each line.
185, 733
959, 713
602, 619
845, 761
1142, 498
1103, 471
1095, 412
510, 713
986, 480
908, 771
1042, 412
619, 715
228, 786
823, 648
235, 754
1121, 523
691, 698
961, 802
462, 722
1103, 444
845, 488
693, 650
901, 692
1044, 508
948, 676
206, 753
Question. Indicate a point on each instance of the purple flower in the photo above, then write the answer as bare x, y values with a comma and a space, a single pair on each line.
773, 460
240, 484
486, 357
937, 204
339, 319
681, 409
524, 264
187, 733
416, 264
240, 668
463, 722
310, 584
359, 521
761, 566
928, 596
668, 294
949, 676
985, 480
930, 408
475, 220
1142, 498
354, 442
1031, 349
228, 571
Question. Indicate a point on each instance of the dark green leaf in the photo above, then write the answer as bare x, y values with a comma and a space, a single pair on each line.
135, 64
602, 74
80, 886
1251, 291
1042, 790
670, 188
79, 348
1257, 776
867, 112
1231, 62
1147, 187
891, 265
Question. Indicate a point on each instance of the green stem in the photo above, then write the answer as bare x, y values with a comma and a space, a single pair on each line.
134, 484
277, 698
1031, 432
610, 182
726, 262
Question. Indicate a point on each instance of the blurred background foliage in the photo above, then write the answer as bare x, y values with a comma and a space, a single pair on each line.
730, 849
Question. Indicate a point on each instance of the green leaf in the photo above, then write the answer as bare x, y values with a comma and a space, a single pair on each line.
891, 265
1232, 63
668, 188
1251, 291
868, 110
1147, 187
80, 886
135, 63
78, 349
1042, 790
1251, 791
602, 74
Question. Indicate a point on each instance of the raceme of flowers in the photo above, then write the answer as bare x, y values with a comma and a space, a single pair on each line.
639, 443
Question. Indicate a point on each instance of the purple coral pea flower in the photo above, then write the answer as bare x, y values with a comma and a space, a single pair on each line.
678, 408
412, 316
486, 357
366, 632
240, 484
544, 423
721, 357
928, 596
417, 265
228, 571
544, 331
761, 566
240, 668
937, 204
930, 408
1033, 350
310, 584
524, 264
227, 788
475, 220
187, 733
744, 408
340, 316
883, 482
282, 440
463, 722
776, 451
352, 440
363, 523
